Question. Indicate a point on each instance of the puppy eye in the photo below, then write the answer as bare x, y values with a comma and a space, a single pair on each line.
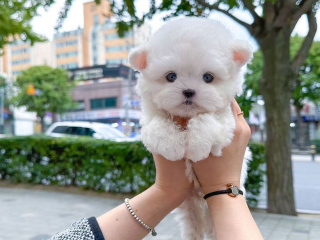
207, 77
171, 76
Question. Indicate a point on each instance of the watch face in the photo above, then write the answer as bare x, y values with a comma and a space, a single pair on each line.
235, 191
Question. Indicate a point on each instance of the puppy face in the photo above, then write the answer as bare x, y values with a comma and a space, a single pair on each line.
190, 66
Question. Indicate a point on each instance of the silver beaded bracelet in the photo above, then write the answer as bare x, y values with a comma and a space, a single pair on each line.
152, 230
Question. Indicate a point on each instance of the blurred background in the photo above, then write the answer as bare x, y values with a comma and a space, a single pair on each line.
69, 114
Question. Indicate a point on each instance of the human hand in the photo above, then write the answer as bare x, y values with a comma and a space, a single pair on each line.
214, 173
170, 176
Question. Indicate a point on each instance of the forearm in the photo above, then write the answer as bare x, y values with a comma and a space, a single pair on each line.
232, 218
151, 207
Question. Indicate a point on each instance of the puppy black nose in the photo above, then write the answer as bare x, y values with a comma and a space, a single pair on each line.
188, 93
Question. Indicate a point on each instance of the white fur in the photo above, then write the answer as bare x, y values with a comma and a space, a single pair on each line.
190, 47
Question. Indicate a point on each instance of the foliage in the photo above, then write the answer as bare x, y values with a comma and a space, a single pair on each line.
88, 163
94, 164
16, 17
64, 12
4, 86
306, 86
3, 82
52, 90
256, 173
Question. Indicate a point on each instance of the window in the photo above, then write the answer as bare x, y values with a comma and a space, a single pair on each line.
60, 129
20, 51
115, 61
74, 130
80, 131
103, 103
94, 36
21, 61
95, 61
108, 25
96, 19
111, 36
88, 132
81, 106
67, 43
67, 54
118, 48
72, 65
128, 34
68, 66
16, 72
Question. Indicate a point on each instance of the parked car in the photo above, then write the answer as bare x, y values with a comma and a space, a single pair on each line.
90, 129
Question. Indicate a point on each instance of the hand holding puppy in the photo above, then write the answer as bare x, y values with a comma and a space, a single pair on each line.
214, 173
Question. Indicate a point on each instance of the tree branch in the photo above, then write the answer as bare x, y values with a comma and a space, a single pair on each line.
227, 13
306, 45
251, 8
283, 15
304, 8
269, 14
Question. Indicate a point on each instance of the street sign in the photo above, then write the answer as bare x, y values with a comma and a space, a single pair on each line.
135, 103
99, 72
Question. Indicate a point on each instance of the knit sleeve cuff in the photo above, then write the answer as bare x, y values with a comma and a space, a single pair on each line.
95, 228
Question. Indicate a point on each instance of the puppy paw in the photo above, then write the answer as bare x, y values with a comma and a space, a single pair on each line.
200, 137
216, 150
162, 136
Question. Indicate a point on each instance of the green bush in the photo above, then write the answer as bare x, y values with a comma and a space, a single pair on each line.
317, 143
93, 164
256, 173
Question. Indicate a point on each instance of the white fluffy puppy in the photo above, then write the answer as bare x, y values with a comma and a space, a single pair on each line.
190, 68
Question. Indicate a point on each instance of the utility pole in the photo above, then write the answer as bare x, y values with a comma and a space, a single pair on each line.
1, 110
130, 96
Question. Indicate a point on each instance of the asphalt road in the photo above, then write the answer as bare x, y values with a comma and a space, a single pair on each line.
306, 177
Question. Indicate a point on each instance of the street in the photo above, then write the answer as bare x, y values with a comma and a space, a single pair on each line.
28, 214
306, 177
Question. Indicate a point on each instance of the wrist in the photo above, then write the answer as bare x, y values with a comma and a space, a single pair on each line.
218, 187
176, 196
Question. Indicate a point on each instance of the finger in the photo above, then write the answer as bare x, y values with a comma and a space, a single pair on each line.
235, 109
241, 123
239, 112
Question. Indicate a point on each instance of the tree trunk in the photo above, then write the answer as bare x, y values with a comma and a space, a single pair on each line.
300, 133
42, 123
276, 90
54, 117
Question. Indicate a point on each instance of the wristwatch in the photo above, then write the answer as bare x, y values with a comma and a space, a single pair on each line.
235, 191
232, 191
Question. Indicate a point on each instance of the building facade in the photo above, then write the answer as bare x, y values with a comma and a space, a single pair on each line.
68, 49
105, 95
96, 44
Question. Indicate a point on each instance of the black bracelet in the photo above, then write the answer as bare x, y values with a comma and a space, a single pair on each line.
229, 191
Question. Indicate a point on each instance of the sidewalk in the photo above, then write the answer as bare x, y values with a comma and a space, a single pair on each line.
27, 214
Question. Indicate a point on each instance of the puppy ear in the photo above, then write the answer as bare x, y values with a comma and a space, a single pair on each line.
242, 52
138, 58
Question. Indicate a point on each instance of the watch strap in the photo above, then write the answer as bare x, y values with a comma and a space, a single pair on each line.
220, 192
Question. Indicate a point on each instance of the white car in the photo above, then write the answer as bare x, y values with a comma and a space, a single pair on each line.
91, 129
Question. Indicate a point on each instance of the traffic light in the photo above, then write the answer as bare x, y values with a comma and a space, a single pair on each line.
31, 90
